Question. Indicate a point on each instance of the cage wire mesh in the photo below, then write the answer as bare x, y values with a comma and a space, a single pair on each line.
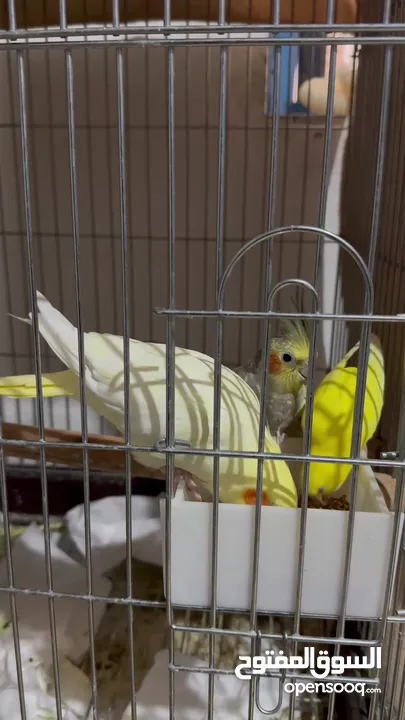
164, 177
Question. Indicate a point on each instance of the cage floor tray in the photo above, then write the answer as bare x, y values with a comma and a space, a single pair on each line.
278, 557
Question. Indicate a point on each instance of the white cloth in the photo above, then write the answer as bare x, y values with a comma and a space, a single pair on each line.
72, 631
28, 554
108, 531
38, 684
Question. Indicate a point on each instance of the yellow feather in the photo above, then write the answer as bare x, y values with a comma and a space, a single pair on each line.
333, 417
59, 384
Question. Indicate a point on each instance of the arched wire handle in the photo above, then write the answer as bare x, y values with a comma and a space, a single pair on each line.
277, 707
292, 281
312, 349
312, 342
302, 229
266, 353
281, 681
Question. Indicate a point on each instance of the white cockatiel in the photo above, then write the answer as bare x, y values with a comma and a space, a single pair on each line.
194, 403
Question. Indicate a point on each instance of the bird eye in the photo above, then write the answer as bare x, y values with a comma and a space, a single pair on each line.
287, 357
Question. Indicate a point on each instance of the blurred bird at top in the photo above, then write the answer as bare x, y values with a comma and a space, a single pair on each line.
287, 378
332, 419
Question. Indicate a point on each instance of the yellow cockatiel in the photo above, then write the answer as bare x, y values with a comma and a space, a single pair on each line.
332, 422
194, 403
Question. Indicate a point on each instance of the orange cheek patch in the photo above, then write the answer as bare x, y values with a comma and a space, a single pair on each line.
274, 364
249, 497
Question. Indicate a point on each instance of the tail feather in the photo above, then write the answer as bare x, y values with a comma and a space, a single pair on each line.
62, 338
59, 384
58, 332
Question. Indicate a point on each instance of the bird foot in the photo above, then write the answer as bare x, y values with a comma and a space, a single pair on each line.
320, 498
186, 477
280, 437
189, 482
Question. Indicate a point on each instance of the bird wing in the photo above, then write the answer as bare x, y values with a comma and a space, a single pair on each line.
281, 410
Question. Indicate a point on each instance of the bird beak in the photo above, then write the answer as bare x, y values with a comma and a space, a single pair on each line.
303, 372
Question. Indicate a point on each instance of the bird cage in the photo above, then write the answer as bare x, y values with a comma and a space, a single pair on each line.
189, 175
